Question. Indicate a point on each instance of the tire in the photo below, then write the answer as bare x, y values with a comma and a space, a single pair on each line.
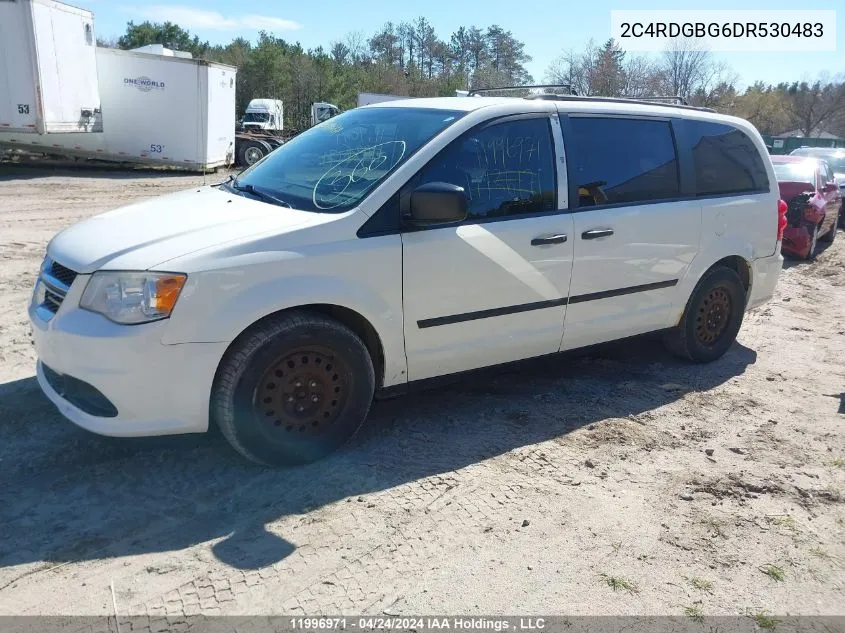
712, 318
292, 389
250, 152
814, 244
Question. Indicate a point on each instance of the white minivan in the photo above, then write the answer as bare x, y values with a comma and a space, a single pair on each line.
399, 243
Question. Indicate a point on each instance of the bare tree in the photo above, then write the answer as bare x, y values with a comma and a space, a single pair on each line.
815, 105
686, 67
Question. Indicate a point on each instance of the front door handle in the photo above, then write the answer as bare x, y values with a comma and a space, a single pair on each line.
549, 239
596, 233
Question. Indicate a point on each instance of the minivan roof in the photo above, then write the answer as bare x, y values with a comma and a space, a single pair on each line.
582, 104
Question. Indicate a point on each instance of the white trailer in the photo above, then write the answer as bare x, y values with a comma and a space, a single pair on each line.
48, 71
158, 108
369, 98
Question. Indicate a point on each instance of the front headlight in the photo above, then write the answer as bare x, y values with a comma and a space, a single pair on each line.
131, 298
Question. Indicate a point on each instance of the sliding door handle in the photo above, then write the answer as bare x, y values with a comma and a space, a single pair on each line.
596, 233
548, 239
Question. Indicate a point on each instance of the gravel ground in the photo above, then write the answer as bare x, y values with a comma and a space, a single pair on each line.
618, 481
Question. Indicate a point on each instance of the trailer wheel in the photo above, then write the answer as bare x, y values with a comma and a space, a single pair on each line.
251, 152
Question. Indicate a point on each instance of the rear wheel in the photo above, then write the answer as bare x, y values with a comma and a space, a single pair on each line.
293, 389
712, 318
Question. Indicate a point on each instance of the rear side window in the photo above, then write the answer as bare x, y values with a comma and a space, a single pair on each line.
725, 160
617, 161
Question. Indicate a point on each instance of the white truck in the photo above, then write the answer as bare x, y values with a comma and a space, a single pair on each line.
48, 72
264, 114
261, 130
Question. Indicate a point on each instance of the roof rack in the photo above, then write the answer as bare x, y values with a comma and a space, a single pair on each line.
658, 101
477, 92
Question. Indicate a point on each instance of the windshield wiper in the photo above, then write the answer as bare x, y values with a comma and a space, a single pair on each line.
258, 193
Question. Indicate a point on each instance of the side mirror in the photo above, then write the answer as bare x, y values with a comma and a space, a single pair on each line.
830, 187
438, 203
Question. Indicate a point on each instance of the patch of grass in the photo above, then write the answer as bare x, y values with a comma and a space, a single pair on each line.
764, 620
618, 583
819, 552
702, 584
783, 520
616, 545
840, 520
694, 613
839, 462
774, 572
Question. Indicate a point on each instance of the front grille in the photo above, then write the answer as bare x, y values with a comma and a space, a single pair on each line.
65, 275
80, 394
57, 280
52, 301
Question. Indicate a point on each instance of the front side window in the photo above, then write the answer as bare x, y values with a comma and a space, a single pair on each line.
616, 161
506, 168
725, 160
334, 165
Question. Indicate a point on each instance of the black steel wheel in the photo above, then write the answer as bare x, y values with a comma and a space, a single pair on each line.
292, 389
303, 392
712, 317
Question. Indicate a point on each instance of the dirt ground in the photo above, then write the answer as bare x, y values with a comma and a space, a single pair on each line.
616, 482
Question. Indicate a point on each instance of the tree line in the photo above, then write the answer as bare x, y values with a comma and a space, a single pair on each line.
410, 58
691, 72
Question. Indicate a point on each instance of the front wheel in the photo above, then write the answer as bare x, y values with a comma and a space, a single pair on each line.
293, 389
711, 319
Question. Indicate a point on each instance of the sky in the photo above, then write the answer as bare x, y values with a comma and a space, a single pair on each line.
547, 27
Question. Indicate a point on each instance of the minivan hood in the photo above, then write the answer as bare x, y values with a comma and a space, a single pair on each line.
141, 235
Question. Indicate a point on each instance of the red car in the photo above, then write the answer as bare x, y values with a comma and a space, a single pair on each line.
814, 203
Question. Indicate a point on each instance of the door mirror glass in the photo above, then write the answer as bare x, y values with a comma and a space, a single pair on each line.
438, 203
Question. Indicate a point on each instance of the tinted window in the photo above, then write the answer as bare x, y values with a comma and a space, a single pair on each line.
506, 168
334, 165
725, 159
622, 160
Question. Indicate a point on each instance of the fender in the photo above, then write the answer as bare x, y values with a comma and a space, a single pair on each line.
208, 317
712, 252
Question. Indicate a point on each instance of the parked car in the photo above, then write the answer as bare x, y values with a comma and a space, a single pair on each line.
835, 157
397, 244
814, 203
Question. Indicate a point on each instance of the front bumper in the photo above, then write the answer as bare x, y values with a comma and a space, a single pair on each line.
156, 389
764, 278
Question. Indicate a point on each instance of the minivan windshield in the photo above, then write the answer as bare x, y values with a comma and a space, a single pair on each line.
334, 165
